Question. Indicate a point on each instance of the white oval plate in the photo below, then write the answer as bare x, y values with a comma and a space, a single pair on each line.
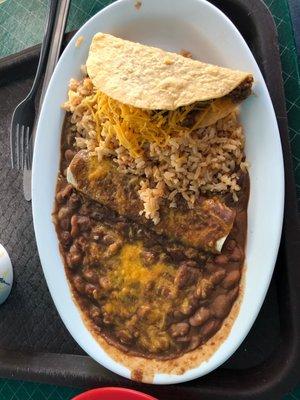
173, 25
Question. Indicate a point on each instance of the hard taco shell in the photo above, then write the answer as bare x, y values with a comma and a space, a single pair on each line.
150, 78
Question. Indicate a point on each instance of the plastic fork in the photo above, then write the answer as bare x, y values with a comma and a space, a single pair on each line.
24, 115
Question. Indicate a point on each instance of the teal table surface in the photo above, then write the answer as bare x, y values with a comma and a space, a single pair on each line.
22, 25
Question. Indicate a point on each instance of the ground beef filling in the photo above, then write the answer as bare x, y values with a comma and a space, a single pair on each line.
242, 91
237, 95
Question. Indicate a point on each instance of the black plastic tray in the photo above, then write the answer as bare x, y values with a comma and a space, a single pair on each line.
34, 344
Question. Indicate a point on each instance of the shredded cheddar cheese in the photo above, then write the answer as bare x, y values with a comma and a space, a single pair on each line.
133, 127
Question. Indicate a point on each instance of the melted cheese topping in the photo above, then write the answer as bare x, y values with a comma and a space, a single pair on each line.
130, 279
132, 270
96, 170
134, 126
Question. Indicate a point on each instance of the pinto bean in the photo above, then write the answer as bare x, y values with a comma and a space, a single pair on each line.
143, 310
90, 275
191, 253
136, 334
164, 291
234, 293
180, 329
188, 307
217, 276
74, 249
66, 239
181, 253
65, 224
74, 257
63, 216
183, 339
124, 336
74, 201
176, 252
203, 289
107, 318
64, 212
98, 231
130, 323
69, 154
230, 245
190, 264
59, 198
81, 242
121, 227
67, 190
79, 283
63, 194
91, 290
97, 215
210, 328
84, 223
221, 259
95, 313
105, 283
148, 258
221, 305
210, 267
200, 316
84, 209
163, 258
237, 255
149, 286
108, 239
231, 279
113, 248
186, 274
178, 314
195, 341
74, 226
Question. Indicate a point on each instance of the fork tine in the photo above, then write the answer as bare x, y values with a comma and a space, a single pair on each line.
22, 148
31, 151
27, 148
13, 146
18, 146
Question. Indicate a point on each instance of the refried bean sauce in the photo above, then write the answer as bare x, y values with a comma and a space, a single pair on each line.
143, 293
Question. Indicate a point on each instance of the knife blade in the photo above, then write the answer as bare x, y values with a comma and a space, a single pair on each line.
54, 53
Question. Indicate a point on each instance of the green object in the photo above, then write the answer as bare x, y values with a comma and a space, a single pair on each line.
22, 25
291, 79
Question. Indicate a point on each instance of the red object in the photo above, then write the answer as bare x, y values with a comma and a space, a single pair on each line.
113, 393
